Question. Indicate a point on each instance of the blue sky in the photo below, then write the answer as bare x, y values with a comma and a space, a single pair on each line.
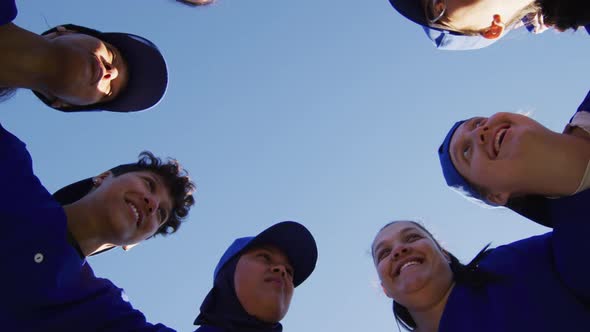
324, 112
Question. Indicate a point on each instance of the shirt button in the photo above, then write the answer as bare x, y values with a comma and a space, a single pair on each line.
38, 257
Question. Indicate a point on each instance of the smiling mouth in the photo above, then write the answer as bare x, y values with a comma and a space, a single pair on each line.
135, 210
414, 261
498, 139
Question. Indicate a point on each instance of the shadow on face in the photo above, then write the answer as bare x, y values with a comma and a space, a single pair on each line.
264, 283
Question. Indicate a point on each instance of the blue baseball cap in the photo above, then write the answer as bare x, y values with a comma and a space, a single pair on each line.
291, 237
452, 176
443, 39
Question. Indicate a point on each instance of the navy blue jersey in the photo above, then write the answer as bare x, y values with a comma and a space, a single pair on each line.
45, 284
542, 283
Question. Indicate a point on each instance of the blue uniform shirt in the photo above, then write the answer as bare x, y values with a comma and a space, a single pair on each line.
45, 284
544, 281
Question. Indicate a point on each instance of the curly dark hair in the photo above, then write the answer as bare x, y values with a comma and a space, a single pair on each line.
565, 14
176, 180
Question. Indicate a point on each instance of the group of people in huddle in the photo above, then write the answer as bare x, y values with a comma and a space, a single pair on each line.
535, 284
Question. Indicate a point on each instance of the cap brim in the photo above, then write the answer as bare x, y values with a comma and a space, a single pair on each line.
73, 192
411, 10
296, 242
148, 75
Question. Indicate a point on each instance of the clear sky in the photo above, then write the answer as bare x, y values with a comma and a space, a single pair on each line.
326, 112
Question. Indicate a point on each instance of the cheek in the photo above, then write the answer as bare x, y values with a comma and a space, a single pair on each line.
244, 281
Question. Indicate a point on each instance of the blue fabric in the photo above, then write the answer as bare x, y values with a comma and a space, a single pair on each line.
450, 173
7, 11
543, 282
45, 285
291, 237
542, 209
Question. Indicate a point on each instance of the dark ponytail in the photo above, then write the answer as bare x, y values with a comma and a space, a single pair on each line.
469, 275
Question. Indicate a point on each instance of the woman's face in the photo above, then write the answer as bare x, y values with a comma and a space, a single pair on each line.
133, 205
497, 153
90, 71
413, 270
264, 283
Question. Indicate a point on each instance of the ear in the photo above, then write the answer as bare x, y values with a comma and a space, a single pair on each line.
60, 30
495, 30
99, 179
500, 198
129, 246
447, 256
385, 291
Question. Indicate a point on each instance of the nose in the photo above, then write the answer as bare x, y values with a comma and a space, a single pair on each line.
111, 72
151, 203
481, 133
400, 252
279, 269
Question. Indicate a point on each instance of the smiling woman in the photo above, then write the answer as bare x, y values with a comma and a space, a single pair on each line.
501, 289
74, 68
510, 159
473, 24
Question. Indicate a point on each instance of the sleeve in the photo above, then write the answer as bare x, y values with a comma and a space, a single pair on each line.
584, 106
570, 243
97, 304
7, 11
16, 175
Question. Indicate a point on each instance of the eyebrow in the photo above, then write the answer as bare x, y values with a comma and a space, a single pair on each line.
403, 231
275, 251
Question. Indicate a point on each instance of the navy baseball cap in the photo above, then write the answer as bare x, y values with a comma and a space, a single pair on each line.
75, 191
148, 74
443, 39
291, 237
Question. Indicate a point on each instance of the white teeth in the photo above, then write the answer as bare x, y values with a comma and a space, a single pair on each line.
410, 263
497, 140
134, 211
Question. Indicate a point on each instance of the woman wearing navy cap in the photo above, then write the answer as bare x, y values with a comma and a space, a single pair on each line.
473, 24
73, 68
535, 284
255, 278
46, 282
509, 159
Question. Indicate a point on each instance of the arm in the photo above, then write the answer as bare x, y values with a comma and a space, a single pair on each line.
571, 244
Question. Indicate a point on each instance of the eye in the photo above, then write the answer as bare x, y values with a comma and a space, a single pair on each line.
150, 183
413, 237
265, 256
467, 152
382, 254
289, 271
